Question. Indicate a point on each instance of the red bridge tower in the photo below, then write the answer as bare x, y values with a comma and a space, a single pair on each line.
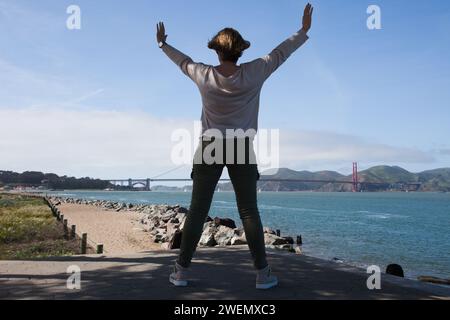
355, 177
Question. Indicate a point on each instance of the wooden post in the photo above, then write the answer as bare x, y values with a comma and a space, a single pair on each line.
299, 240
278, 233
66, 229
61, 218
84, 243
73, 232
100, 248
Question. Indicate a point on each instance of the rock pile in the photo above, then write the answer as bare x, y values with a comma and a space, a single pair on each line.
165, 225
104, 204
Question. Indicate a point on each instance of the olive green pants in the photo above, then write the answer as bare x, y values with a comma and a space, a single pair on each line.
244, 178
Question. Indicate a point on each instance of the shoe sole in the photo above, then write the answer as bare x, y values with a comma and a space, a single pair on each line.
265, 286
178, 283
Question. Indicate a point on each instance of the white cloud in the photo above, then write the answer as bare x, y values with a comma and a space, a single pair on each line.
112, 144
329, 150
86, 143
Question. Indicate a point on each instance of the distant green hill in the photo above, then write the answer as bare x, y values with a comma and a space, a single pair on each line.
390, 176
387, 174
435, 180
297, 175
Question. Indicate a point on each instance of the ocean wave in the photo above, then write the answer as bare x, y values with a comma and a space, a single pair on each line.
224, 202
225, 207
275, 207
381, 215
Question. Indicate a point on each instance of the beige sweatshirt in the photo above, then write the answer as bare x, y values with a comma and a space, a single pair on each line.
233, 102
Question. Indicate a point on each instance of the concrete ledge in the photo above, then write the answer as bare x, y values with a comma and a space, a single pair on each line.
218, 273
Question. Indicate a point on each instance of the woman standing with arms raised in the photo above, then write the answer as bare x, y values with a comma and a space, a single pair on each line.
230, 96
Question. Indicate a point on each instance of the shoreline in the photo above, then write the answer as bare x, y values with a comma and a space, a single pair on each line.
227, 237
163, 224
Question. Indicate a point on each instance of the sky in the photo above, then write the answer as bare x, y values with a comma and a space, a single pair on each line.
103, 101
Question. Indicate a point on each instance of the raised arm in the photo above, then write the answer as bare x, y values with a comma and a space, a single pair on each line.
187, 65
271, 62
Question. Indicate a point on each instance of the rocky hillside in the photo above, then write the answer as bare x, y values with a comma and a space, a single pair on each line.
432, 180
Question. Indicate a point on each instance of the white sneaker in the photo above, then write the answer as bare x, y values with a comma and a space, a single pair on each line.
179, 276
265, 280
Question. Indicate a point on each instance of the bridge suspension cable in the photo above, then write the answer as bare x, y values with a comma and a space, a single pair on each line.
167, 172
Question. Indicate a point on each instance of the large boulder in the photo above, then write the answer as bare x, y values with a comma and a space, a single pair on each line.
154, 221
182, 222
171, 229
225, 222
168, 215
174, 220
108, 206
289, 240
207, 239
239, 232
120, 206
160, 238
174, 241
237, 241
209, 226
273, 240
180, 216
224, 235
182, 210
287, 247
283, 247
269, 231
239, 237
148, 228
395, 270
158, 231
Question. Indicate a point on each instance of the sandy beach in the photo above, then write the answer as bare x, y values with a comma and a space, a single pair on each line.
118, 232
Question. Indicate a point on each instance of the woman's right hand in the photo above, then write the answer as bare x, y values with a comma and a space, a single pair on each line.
161, 33
307, 17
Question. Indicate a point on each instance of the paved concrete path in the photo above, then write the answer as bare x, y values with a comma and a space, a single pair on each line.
224, 274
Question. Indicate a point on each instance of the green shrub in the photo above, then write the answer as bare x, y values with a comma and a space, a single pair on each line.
29, 230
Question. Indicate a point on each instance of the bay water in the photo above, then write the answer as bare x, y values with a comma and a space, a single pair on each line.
361, 229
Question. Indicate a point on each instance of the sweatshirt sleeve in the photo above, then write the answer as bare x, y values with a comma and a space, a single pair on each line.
271, 62
190, 68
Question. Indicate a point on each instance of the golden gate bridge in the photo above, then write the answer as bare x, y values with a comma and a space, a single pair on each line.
357, 185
